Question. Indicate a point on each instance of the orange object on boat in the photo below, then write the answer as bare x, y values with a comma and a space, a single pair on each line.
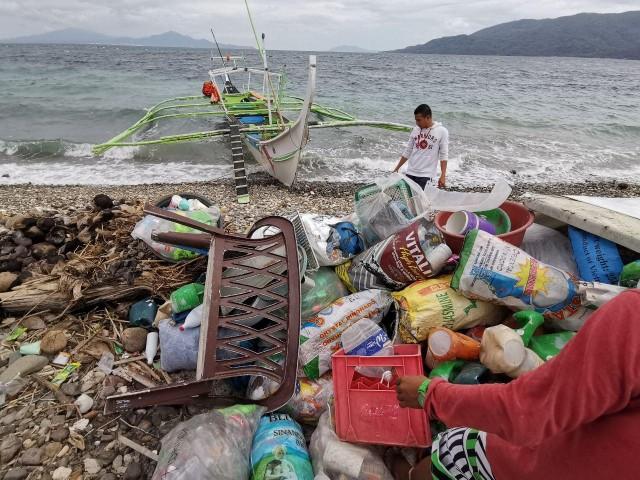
210, 89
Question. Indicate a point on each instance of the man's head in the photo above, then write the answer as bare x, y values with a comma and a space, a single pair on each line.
423, 116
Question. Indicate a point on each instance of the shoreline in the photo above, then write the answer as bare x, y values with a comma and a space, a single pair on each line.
267, 196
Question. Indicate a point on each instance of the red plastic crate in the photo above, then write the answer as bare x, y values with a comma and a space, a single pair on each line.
364, 415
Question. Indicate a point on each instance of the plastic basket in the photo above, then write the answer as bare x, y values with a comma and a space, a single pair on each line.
374, 416
303, 241
399, 191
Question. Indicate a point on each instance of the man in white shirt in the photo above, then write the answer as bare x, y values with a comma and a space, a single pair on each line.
428, 144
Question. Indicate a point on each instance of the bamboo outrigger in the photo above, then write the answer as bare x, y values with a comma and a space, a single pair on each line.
275, 141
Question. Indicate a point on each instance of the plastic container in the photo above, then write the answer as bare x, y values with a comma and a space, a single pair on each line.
373, 415
187, 297
521, 219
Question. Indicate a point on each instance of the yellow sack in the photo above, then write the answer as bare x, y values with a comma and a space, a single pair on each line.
432, 303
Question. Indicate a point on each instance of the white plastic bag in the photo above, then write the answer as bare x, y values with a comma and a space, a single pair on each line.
335, 459
388, 205
550, 247
214, 445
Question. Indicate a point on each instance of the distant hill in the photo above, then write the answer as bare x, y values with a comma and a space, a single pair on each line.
611, 35
350, 49
82, 37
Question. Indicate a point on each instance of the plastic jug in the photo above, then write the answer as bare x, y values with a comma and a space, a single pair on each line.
502, 351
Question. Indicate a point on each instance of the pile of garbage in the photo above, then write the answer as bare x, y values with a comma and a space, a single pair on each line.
412, 283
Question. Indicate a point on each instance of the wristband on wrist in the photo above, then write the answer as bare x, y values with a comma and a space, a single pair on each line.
422, 391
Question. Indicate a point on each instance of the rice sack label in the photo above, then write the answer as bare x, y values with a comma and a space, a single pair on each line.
499, 272
432, 303
416, 252
279, 450
320, 335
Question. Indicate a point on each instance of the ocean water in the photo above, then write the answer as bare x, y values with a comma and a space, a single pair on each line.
546, 119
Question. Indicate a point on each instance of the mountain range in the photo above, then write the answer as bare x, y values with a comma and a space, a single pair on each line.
611, 35
79, 36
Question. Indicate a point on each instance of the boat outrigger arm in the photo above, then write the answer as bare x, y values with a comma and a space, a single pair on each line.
273, 140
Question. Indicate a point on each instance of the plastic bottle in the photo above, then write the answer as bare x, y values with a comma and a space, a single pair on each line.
194, 319
445, 344
187, 297
365, 338
151, 348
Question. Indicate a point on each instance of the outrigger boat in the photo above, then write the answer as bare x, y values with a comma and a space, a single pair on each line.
259, 120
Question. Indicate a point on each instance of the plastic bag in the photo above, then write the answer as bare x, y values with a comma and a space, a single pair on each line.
551, 247
333, 459
318, 228
387, 206
149, 224
598, 259
416, 252
311, 399
324, 288
320, 335
496, 271
214, 445
279, 450
432, 303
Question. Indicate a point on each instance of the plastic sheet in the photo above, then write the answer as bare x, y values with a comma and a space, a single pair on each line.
551, 247
214, 445
445, 201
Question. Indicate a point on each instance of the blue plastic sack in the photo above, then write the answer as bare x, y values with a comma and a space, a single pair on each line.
598, 259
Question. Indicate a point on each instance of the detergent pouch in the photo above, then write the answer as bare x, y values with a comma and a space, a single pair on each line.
416, 252
432, 303
279, 450
598, 259
214, 445
320, 335
149, 224
498, 272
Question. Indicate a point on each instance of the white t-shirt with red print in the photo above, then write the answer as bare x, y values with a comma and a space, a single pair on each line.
427, 147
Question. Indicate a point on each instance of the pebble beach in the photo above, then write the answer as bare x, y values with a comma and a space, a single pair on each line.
49, 432
267, 196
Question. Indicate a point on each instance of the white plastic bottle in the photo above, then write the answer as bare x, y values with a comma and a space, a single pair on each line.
365, 338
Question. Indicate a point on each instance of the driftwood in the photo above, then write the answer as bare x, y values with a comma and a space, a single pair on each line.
46, 294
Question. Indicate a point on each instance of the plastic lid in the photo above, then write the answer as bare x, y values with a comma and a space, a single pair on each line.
440, 343
514, 353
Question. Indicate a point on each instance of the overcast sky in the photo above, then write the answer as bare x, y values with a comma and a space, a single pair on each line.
290, 24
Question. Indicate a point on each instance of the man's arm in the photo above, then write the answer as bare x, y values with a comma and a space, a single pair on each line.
401, 162
594, 375
443, 155
407, 153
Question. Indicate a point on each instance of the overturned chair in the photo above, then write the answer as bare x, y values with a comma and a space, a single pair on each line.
252, 296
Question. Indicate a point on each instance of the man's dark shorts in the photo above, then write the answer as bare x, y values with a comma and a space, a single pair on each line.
422, 181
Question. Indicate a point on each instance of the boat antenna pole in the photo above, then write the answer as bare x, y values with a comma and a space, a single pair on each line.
264, 57
218, 47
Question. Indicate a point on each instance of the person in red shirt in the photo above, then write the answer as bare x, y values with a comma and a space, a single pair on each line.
575, 417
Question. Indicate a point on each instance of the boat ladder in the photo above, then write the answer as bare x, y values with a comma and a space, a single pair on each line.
237, 157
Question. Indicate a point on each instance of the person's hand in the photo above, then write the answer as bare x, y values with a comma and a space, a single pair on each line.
442, 182
407, 390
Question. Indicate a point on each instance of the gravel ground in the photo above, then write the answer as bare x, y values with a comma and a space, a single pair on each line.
267, 197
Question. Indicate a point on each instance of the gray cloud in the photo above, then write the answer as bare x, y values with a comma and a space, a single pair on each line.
290, 24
